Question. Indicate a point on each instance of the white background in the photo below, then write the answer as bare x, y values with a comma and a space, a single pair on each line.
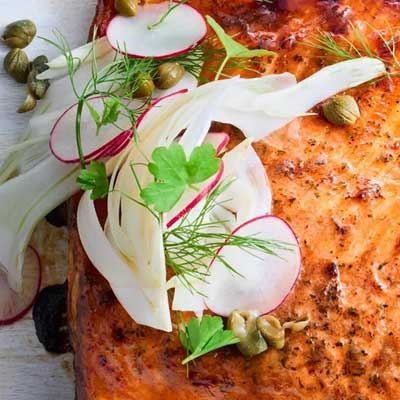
27, 372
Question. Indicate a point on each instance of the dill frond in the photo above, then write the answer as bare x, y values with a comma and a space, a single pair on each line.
340, 48
193, 244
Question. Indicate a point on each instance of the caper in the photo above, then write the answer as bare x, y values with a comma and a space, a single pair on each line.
40, 64
341, 110
168, 75
28, 105
37, 87
272, 331
296, 326
16, 64
19, 34
243, 325
145, 86
127, 8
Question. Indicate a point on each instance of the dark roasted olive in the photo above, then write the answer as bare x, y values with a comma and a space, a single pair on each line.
50, 318
59, 216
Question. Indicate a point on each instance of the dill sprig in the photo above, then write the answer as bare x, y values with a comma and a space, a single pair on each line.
193, 244
171, 7
341, 48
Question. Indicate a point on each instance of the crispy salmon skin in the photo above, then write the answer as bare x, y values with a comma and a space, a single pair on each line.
338, 188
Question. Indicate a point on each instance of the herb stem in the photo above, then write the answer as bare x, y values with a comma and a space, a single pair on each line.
165, 16
78, 133
221, 68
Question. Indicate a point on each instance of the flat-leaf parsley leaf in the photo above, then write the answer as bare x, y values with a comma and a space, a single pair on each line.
95, 179
173, 173
200, 337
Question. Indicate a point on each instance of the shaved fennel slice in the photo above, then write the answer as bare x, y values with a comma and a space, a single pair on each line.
249, 192
184, 299
25, 200
123, 277
58, 67
264, 113
138, 227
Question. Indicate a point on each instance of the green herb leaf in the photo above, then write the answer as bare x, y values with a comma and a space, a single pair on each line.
95, 179
202, 164
233, 48
163, 195
94, 114
169, 164
111, 111
173, 173
203, 336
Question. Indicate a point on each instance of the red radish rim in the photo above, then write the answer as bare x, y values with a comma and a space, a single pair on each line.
224, 142
25, 310
154, 102
203, 193
117, 149
88, 157
116, 145
163, 56
298, 246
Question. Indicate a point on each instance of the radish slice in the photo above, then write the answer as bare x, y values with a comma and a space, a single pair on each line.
63, 140
219, 140
181, 31
265, 280
13, 305
192, 198
115, 146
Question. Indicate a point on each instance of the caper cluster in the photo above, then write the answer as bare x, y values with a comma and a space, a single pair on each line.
256, 333
17, 36
167, 76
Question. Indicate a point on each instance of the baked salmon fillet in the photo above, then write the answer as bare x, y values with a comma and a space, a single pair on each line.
338, 187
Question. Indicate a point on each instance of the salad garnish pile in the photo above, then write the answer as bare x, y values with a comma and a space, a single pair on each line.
128, 117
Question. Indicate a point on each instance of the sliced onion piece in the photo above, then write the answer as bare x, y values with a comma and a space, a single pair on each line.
265, 280
63, 139
181, 31
14, 305
192, 198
